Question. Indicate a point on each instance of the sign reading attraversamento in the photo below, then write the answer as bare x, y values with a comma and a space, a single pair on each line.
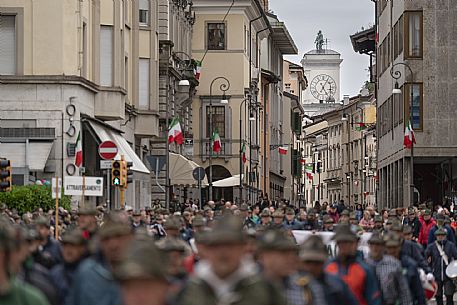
93, 186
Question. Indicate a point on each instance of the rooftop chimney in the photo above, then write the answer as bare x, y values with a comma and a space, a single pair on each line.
345, 99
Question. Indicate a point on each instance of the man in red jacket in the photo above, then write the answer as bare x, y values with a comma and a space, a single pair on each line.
427, 223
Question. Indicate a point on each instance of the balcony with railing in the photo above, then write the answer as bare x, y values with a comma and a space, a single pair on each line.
228, 150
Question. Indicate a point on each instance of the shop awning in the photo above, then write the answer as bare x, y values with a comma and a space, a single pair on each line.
228, 182
33, 155
181, 170
106, 134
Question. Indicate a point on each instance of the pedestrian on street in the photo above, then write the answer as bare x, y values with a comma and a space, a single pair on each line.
413, 221
352, 269
228, 275
49, 248
93, 283
410, 268
427, 223
87, 222
388, 271
142, 274
74, 247
277, 254
312, 285
440, 253
290, 222
13, 291
440, 218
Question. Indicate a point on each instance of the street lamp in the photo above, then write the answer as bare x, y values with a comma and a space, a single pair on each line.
319, 161
396, 74
182, 83
242, 141
224, 86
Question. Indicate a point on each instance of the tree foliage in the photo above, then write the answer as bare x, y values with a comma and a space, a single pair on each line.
29, 197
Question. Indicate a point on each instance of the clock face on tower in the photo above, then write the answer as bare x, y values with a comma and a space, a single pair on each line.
323, 87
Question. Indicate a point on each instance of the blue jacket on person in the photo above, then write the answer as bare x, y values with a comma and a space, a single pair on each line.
450, 234
437, 266
62, 277
412, 276
94, 284
51, 252
337, 292
293, 225
414, 251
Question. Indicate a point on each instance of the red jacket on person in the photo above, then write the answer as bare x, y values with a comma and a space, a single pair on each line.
426, 226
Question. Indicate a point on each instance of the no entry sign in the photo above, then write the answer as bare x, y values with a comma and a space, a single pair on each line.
107, 150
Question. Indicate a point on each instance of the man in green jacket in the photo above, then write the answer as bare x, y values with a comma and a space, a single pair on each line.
12, 291
227, 275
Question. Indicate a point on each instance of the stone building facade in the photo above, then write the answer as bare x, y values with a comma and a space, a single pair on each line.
83, 67
420, 35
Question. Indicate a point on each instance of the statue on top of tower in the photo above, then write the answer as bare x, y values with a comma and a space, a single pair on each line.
319, 41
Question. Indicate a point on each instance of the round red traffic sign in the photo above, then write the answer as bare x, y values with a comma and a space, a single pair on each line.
107, 150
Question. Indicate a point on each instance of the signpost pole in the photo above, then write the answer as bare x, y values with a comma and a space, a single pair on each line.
57, 209
122, 189
108, 189
199, 190
83, 191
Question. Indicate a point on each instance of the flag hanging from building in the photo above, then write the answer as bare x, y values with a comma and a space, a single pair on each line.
197, 69
243, 153
216, 141
309, 171
283, 150
409, 139
175, 132
79, 151
360, 126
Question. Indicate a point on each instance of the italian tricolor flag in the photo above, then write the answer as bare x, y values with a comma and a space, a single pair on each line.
216, 139
243, 153
309, 171
198, 69
175, 132
283, 150
409, 139
79, 151
360, 126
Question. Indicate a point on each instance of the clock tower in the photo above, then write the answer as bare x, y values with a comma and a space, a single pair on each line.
322, 69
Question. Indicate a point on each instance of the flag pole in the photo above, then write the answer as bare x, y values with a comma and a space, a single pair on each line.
56, 231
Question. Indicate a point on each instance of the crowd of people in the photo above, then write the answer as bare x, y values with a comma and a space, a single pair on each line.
226, 254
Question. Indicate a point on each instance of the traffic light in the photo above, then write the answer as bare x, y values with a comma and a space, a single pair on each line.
6, 176
124, 173
116, 177
129, 173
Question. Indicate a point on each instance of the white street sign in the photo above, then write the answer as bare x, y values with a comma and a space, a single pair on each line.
53, 187
105, 164
73, 185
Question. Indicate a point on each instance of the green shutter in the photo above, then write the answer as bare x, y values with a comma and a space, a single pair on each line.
296, 123
296, 164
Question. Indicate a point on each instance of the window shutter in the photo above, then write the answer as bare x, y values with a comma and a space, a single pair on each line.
106, 55
143, 79
7, 45
296, 123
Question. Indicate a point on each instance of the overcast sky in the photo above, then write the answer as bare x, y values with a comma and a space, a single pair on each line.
337, 19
